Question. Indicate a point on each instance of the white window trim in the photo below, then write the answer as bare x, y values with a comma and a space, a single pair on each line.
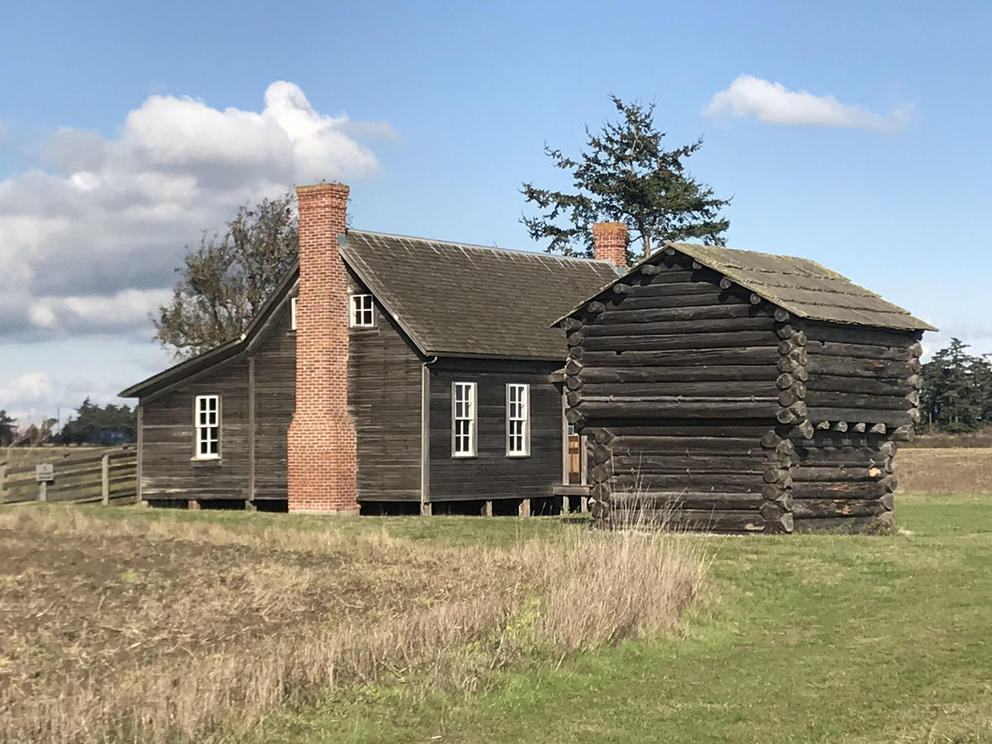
357, 312
525, 429
473, 420
198, 454
292, 314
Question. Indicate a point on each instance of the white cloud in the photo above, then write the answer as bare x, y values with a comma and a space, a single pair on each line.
34, 396
90, 243
75, 367
773, 103
28, 387
121, 311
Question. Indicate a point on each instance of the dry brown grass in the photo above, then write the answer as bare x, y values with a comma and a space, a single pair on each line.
945, 470
980, 438
158, 631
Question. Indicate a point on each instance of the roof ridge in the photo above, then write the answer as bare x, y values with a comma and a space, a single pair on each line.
477, 246
752, 252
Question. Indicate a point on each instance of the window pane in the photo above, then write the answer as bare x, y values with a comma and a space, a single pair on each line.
463, 418
516, 415
206, 423
361, 310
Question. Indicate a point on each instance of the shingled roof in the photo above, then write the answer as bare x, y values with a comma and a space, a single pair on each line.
803, 287
469, 300
451, 299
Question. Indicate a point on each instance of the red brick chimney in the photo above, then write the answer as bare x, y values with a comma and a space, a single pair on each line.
609, 240
321, 437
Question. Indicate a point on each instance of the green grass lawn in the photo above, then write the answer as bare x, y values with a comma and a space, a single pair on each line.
806, 638
809, 638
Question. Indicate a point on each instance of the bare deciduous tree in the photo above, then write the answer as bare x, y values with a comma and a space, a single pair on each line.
228, 277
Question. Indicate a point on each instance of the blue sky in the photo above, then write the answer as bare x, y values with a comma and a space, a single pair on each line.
127, 128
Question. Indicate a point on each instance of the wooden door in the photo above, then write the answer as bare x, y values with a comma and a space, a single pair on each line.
574, 459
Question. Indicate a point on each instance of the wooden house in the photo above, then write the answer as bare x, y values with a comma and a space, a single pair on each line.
737, 391
384, 372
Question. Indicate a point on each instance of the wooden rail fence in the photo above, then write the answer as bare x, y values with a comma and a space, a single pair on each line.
109, 476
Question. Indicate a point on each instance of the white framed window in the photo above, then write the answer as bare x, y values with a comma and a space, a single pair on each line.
292, 314
517, 420
362, 315
206, 423
463, 419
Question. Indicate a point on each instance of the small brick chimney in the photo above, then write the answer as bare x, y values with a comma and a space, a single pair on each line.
609, 240
321, 438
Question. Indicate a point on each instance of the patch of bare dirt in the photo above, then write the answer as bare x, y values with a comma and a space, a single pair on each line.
161, 631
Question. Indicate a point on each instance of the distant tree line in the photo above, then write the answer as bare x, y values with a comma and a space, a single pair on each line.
957, 390
93, 424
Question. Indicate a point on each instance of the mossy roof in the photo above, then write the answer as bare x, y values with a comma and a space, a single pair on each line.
805, 288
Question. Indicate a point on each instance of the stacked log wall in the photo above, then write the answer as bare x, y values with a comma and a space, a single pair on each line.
674, 376
862, 398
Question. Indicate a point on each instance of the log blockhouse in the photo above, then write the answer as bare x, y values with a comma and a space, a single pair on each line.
736, 391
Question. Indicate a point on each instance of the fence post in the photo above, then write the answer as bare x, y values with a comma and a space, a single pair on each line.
3, 481
105, 480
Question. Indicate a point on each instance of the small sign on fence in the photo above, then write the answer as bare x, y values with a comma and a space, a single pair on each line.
44, 473
86, 474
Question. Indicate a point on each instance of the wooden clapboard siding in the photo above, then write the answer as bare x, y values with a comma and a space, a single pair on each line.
384, 382
167, 468
274, 399
491, 474
384, 378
